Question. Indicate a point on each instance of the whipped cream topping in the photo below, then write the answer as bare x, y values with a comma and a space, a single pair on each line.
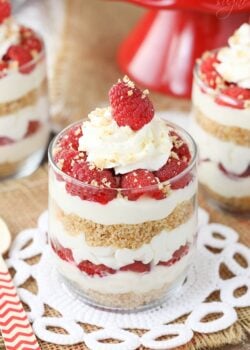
9, 35
110, 146
234, 64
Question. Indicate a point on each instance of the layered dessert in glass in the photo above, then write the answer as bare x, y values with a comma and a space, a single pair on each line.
24, 126
122, 211
221, 121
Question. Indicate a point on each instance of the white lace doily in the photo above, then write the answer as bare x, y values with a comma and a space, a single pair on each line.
203, 278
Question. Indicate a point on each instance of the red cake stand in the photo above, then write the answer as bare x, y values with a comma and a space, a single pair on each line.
161, 50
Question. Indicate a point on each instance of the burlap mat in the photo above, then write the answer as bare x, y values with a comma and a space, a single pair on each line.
85, 70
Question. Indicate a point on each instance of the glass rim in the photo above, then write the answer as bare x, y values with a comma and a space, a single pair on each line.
69, 178
40, 55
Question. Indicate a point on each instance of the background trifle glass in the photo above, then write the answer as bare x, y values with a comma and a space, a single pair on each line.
221, 122
24, 127
122, 240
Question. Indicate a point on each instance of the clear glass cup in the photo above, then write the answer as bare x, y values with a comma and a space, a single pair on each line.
24, 117
221, 127
125, 254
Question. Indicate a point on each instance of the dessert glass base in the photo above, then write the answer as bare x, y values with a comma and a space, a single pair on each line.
127, 302
23, 167
233, 205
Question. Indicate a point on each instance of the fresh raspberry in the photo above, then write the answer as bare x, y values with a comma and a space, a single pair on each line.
208, 71
64, 253
64, 158
130, 106
5, 10
91, 269
246, 173
180, 147
5, 140
22, 56
233, 96
3, 68
102, 183
70, 139
33, 127
135, 181
137, 266
178, 254
33, 44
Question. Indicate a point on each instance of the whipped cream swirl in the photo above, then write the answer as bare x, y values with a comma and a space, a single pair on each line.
110, 146
9, 35
234, 64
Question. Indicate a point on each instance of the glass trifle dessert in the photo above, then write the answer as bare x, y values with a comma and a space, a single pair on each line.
221, 122
122, 211
24, 126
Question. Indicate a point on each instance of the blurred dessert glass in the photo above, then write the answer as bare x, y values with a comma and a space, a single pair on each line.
24, 127
221, 122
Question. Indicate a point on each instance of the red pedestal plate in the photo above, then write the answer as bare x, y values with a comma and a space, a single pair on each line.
161, 50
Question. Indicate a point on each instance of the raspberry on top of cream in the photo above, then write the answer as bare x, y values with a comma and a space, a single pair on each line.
111, 146
133, 139
234, 60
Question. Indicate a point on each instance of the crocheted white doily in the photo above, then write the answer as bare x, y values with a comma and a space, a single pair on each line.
203, 278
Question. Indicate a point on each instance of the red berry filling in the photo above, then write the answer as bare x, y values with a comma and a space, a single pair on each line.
5, 10
178, 254
246, 173
70, 140
102, 183
95, 270
102, 270
63, 253
233, 96
21, 55
130, 106
137, 266
5, 141
208, 72
141, 182
176, 164
33, 127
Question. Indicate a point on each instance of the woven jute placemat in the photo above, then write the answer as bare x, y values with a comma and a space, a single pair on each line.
22, 201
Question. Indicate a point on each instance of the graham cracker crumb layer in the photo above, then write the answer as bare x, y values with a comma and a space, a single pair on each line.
25, 101
233, 134
131, 236
235, 204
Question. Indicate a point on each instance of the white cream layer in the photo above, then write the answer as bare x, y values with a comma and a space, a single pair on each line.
119, 210
15, 84
161, 247
211, 176
220, 114
15, 125
24, 148
234, 158
124, 282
